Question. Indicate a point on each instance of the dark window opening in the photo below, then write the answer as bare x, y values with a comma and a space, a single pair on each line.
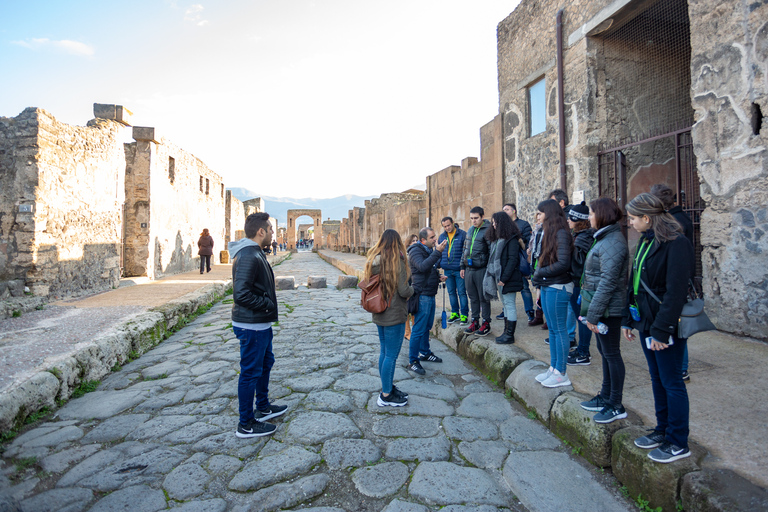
207, 186
201, 183
171, 169
757, 119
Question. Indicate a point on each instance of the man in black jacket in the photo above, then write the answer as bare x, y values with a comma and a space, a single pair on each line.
473, 264
525, 233
424, 259
253, 311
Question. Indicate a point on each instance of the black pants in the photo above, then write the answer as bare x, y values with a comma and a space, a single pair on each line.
609, 346
205, 263
473, 279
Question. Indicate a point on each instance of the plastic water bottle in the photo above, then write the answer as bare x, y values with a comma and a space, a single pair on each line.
601, 327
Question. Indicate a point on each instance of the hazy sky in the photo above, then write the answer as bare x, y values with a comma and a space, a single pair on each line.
293, 98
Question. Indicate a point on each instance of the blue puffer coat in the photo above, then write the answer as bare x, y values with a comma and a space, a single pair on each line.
451, 259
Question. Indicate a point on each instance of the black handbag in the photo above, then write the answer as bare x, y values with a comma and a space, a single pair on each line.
693, 319
413, 304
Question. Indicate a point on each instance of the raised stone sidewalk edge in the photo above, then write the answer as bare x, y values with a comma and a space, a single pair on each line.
94, 359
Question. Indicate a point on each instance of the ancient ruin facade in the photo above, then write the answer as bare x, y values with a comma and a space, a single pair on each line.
455, 190
293, 233
391, 211
669, 92
234, 219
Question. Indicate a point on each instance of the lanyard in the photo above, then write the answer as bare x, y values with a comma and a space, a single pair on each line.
473, 241
450, 242
639, 266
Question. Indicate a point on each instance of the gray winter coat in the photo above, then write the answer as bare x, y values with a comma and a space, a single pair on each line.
605, 271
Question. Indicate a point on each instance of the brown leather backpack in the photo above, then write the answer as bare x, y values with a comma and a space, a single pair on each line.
372, 298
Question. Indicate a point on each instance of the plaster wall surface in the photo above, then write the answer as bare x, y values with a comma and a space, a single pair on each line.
234, 218
61, 195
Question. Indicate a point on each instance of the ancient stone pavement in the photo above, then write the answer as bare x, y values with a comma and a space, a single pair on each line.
159, 433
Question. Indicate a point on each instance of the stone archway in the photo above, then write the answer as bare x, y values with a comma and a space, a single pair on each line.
317, 220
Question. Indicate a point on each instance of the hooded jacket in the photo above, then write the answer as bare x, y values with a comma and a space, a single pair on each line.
253, 281
478, 251
451, 259
397, 312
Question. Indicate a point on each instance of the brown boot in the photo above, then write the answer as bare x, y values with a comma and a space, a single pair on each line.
538, 318
544, 326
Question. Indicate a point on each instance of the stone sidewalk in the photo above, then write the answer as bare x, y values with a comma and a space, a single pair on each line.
728, 410
158, 433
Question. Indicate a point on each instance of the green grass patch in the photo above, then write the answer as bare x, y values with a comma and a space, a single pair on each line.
85, 387
16, 313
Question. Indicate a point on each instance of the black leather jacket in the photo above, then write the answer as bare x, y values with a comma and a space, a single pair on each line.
254, 287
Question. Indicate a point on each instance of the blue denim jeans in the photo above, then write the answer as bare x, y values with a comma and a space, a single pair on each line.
457, 292
585, 335
390, 340
685, 359
555, 303
508, 302
669, 394
571, 323
527, 297
422, 323
256, 360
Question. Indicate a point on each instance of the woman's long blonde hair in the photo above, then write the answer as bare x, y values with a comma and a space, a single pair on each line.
391, 251
664, 225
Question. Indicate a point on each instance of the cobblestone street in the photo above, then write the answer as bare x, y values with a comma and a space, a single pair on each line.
159, 432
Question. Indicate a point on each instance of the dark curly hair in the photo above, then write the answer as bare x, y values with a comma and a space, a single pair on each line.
505, 227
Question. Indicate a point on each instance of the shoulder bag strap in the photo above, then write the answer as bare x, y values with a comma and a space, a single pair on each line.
655, 297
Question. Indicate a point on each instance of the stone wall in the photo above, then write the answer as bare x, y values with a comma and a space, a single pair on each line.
171, 195
331, 234
234, 219
380, 215
255, 205
455, 190
61, 195
729, 66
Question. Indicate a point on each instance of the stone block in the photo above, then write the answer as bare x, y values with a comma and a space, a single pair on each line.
501, 360
657, 482
285, 282
575, 425
223, 257
715, 490
114, 112
522, 382
347, 282
146, 133
316, 282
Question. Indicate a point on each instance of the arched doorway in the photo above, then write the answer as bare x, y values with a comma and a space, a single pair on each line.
292, 229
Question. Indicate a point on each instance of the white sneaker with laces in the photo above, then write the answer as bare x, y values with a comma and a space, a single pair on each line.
544, 376
557, 379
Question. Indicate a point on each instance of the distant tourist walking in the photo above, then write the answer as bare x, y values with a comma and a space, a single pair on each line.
451, 265
473, 263
205, 250
662, 267
387, 259
553, 276
253, 312
603, 292
503, 271
424, 259
274, 247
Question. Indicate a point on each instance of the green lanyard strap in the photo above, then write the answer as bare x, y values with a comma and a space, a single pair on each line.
638, 267
473, 241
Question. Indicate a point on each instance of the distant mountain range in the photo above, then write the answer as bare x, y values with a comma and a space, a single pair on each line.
335, 208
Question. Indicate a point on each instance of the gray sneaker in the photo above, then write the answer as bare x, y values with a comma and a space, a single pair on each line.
556, 380
596, 404
652, 440
544, 376
610, 413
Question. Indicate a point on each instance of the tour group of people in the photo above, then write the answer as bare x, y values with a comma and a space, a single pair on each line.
572, 268
575, 274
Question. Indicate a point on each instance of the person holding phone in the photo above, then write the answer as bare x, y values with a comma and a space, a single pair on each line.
663, 265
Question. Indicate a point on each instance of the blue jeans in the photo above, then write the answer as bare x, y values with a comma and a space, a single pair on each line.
508, 302
555, 303
256, 360
456, 287
685, 359
585, 335
527, 297
422, 323
669, 394
571, 323
390, 339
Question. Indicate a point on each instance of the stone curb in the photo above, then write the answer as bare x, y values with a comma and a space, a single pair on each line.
23, 304
341, 265
94, 359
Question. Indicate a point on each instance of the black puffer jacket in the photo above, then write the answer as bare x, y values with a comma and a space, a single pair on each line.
582, 243
605, 269
424, 263
666, 270
510, 266
558, 272
254, 295
479, 250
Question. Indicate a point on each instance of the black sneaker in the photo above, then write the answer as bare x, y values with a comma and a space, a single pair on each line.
572, 345
473, 327
398, 391
484, 329
531, 315
416, 367
500, 316
668, 452
272, 412
686, 377
596, 404
463, 320
652, 440
254, 429
610, 413
455, 317
579, 359
432, 358
393, 400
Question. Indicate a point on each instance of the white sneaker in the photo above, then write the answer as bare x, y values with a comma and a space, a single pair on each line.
556, 379
544, 376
